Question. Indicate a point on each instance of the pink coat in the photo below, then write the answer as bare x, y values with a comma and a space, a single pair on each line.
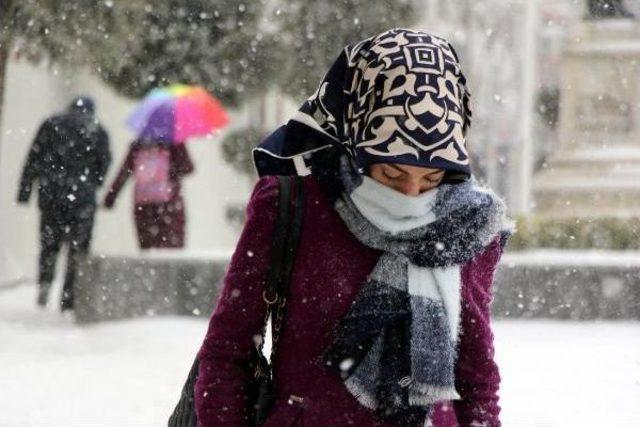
161, 224
330, 267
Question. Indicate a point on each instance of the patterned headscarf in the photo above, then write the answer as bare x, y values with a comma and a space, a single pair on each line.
398, 97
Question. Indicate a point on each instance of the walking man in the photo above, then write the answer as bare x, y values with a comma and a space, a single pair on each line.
69, 159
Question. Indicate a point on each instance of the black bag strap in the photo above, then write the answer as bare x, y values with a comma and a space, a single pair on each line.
273, 288
294, 233
286, 258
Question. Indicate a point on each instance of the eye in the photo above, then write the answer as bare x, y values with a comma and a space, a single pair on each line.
391, 173
434, 179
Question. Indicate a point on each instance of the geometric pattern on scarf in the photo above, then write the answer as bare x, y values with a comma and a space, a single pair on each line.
398, 97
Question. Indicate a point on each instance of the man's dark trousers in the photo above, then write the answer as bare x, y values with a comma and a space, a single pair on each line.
70, 225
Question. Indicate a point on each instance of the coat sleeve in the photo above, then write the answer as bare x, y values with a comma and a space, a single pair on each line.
477, 376
125, 171
220, 394
182, 160
33, 166
103, 158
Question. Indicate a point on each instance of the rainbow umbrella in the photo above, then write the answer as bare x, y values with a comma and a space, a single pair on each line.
176, 113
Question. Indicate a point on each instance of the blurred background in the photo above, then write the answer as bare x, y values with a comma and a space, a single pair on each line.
555, 90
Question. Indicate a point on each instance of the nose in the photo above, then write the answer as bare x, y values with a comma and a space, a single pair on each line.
410, 188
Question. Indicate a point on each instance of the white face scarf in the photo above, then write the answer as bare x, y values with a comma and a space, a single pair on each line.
392, 211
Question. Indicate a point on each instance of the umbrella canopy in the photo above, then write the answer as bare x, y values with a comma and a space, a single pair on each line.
177, 113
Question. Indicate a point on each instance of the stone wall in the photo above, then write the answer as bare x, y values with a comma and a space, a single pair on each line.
578, 285
111, 288
545, 284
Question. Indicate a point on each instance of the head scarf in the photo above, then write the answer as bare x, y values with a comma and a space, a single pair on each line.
398, 97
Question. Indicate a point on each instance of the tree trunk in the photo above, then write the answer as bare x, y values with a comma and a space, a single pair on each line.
4, 56
4, 59
7, 11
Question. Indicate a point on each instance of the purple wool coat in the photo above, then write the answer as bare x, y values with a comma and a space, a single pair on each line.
330, 267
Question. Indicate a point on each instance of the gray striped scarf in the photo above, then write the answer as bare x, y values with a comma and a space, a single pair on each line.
396, 347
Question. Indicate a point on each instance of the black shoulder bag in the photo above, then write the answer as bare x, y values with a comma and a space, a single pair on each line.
260, 388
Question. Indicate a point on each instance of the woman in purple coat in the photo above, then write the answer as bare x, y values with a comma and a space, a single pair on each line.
159, 211
388, 313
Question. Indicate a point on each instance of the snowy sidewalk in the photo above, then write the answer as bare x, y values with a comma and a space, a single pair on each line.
55, 373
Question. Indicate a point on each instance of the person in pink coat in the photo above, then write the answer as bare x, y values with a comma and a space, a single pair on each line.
388, 308
159, 208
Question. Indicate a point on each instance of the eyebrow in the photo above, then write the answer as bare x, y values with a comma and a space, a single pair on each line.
404, 171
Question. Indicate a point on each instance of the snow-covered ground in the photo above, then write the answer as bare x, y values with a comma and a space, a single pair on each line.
129, 373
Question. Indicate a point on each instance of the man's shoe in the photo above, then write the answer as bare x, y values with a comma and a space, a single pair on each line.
66, 305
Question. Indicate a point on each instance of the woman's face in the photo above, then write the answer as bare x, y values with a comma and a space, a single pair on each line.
409, 180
